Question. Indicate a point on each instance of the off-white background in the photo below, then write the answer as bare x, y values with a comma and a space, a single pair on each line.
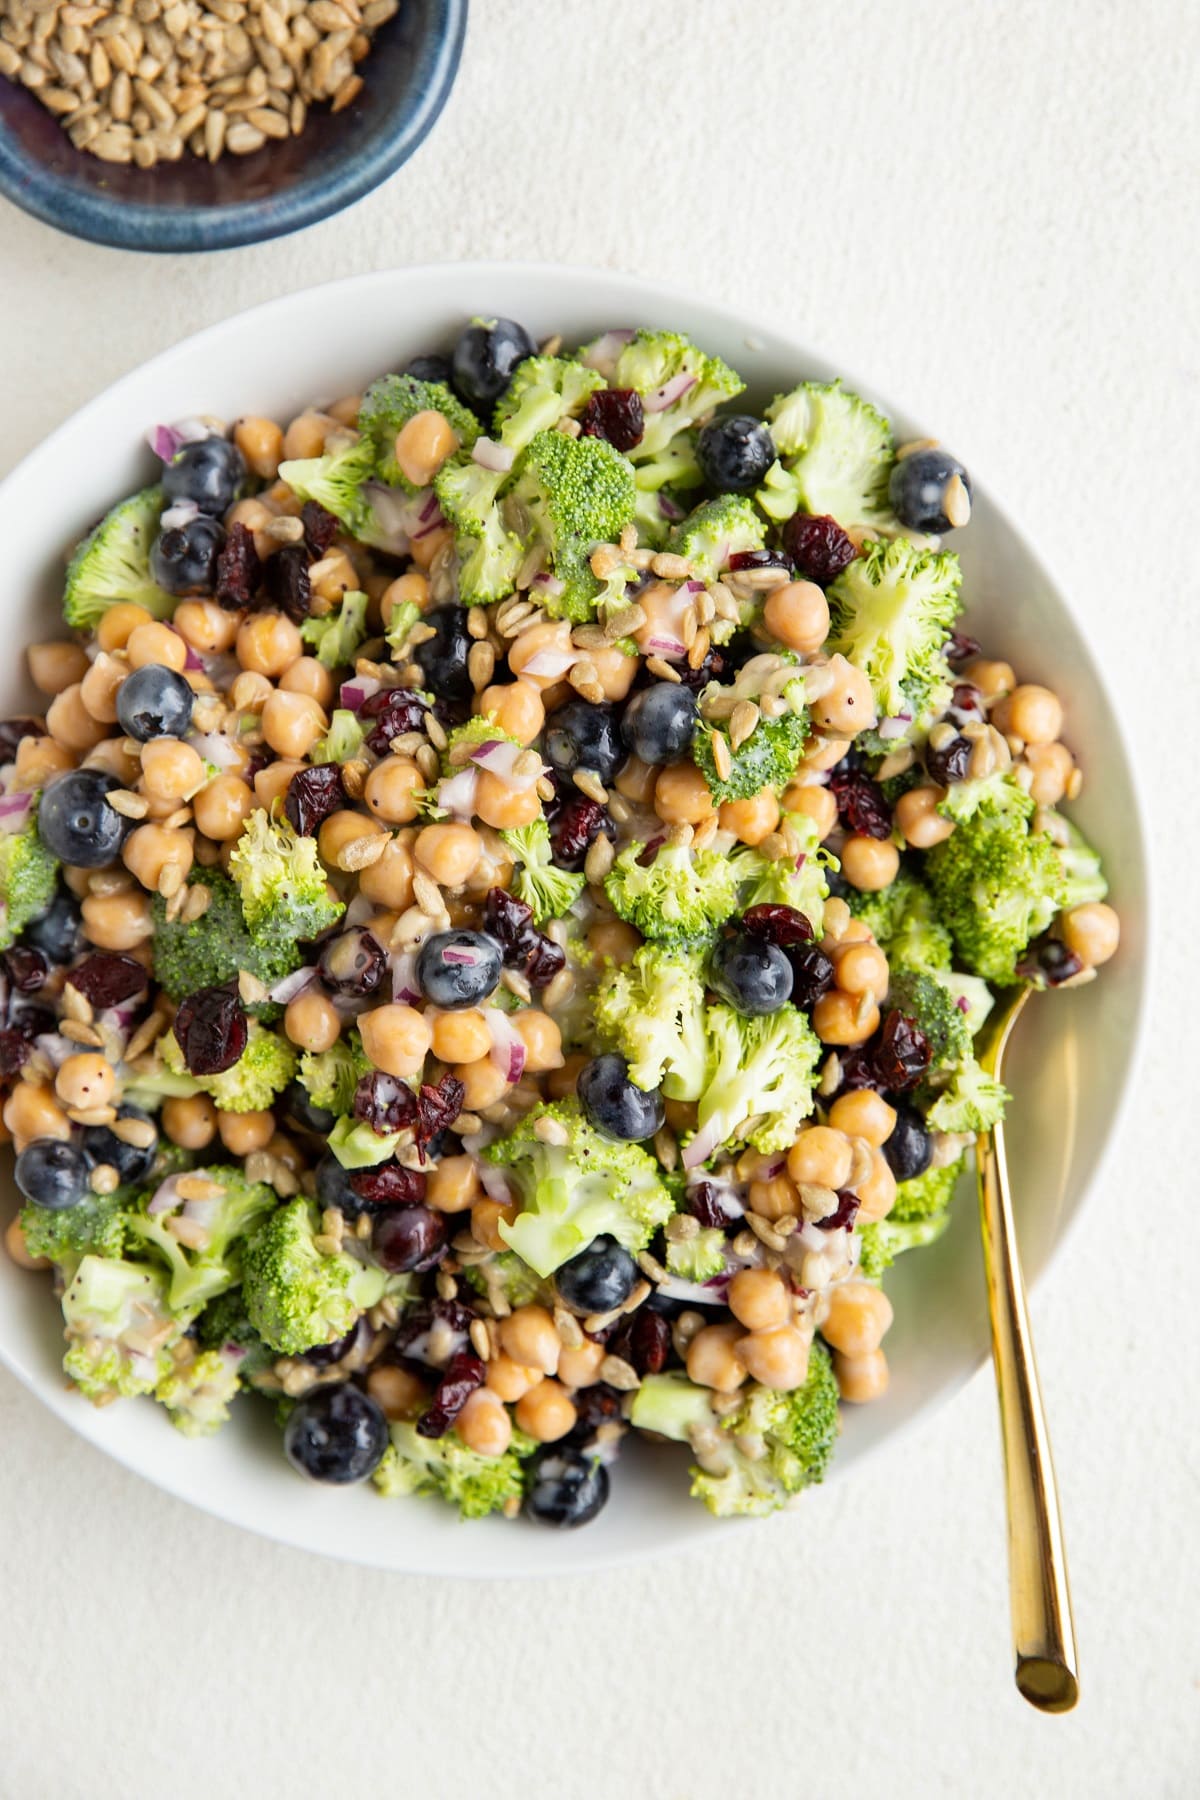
991, 209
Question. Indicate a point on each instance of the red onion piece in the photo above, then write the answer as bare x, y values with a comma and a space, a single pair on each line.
456, 794
166, 1196
708, 1293
508, 1046
700, 1148
603, 353
291, 985
55, 1047
403, 965
354, 693
550, 664
490, 455
494, 1184
893, 728
548, 584
668, 393
500, 758
14, 810
470, 959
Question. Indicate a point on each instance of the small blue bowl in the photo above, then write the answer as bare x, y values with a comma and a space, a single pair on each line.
195, 205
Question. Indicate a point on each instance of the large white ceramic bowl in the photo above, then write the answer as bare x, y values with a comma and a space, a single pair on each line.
1076, 1051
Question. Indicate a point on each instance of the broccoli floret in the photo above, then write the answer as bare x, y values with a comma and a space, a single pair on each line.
489, 564
400, 629
891, 611
572, 1192
515, 1280
216, 947
224, 1325
358, 1145
902, 918
939, 1019
391, 402
337, 481
992, 794
996, 885
715, 531
119, 1328
972, 997
658, 361
98, 1226
477, 1485
674, 466
113, 563
205, 1259
200, 1387
281, 880
798, 881
336, 637
1081, 868
329, 1077
835, 456
467, 492
548, 890
973, 1101
465, 739
261, 1072
543, 391
296, 1294
682, 894
767, 758
651, 1009
759, 1082
28, 879
881, 1243
698, 1258
577, 493
344, 741
927, 1195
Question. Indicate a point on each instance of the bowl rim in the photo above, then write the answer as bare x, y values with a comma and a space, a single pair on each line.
626, 293
162, 230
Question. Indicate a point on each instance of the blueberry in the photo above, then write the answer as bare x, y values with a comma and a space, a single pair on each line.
735, 453
600, 1278
613, 1104
405, 1238
909, 1150
75, 821
154, 702
209, 473
131, 1161
659, 723
458, 968
52, 1174
305, 1112
323, 1356
753, 975
429, 368
183, 560
583, 736
443, 657
918, 489
335, 1433
567, 1488
333, 1186
58, 934
484, 359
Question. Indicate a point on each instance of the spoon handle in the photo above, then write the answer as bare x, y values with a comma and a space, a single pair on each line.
1043, 1628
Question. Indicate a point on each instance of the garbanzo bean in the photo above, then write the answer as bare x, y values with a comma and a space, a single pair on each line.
580, 1367
1032, 713
400, 1393
312, 1022
816, 803
759, 1298
877, 1193
171, 770
486, 1217
271, 783
342, 828
542, 1040
636, 780
118, 921
268, 643
459, 1036
190, 1122
862, 969
156, 644
483, 1083
681, 795
306, 435
85, 1080
243, 1133
615, 670
150, 849
858, 1317
820, 1157
547, 638
750, 820
1052, 766
844, 1019
422, 446
68, 720
822, 754
546, 1412
118, 623
308, 676
453, 1184
561, 1082
483, 1423
993, 679
292, 723
861, 1378
849, 706
612, 940
777, 1356
261, 443
410, 589
111, 754
798, 615
774, 1197
511, 1380
222, 807
255, 515
18, 1250
389, 880
918, 819
39, 758
516, 707
392, 788
448, 852
32, 1111
53, 667
712, 1360
865, 1114
98, 688
503, 807
1092, 931
869, 863
529, 1336
395, 1038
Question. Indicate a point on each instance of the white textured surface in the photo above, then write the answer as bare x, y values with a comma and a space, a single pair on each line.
988, 211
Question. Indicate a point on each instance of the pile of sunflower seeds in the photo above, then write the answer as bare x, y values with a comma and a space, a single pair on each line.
140, 81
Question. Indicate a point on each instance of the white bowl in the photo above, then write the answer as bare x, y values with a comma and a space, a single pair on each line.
1075, 1053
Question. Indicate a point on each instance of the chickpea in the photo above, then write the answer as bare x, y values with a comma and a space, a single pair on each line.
750, 820
816, 803
53, 667
118, 921
40, 758
171, 770
448, 852
870, 863
156, 645
112, 755
410, 589
261, 443
877, 1193
1032, 713
426, 550
32, 1111
849, 705
844, 1019
308, 676
861, 1378
516, 707
561, 1082
820, 1157
191, 1123
529, 1336
759, 1298
774, 1197
243, 1133
271, 783
712, 1360
615, 670
483, 1423
612, 940
422, 446
150, 850
119, 622
453, 1185
993, 679
681, 795
511, 1380
395, 1038
822, 754
222, 807
918, 819
862, 969
85, 1080
1052, 766
98, 688
389, 881
292, 723
392, 790
483, 1083
68, 720
335, 575
341, 829
306, 435
400, 1393
636, 780
863, 1114
580, 1367
250, 692
546, 1412
268, 643
1092, 931
542, 1040
255, 515
18, 1249
459, 1036
486, 1219
858, 1318
311, 1021
664, 603
798, 615
544, 638
503, 807
778, 1357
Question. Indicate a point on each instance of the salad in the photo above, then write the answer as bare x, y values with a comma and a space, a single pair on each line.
496, 914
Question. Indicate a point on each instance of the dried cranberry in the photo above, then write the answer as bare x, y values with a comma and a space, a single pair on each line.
713, 668
857, 1070
464, 1373
287, 582
860, 803
15, 1051
239, 570
1050, 962
510, 922
320, 528
642, 1339
594, 1406
576, 826
388, 1184
438, 1107
385, 1103
757, 559
545, 960
844, 1214
782, 925
408, 1239
712, 1205
27, 968
11, 733
818, 546
812, 974
450, 1319
211, 1030
901, 1055
615, 414
966, 704
353, 962
396, 711
948, 764
960, 647
312, 795
106, 980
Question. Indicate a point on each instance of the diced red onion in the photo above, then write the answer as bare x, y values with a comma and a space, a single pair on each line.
358, 912
430, 510
501, 758
668, 393
508, 1046
670, 509
963, 1004
548, 584
693, 587
456, 794
216, 748
695, 1293
665, 646
164, 442
700, 1148
433, 522
602, 355
395, 516
14, 810
403, 964
490, 455
353, 693
894, 728
166, 1196
550, 664
290, 985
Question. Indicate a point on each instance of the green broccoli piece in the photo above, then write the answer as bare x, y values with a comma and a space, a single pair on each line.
759, 1082
337, 637
467, 492
835, 457
919, 1217
654, 361
113, 563
972, 997
940, 1020
391, 402
200, 1387
296, 1295
224, 1325
282, 883
543, 391
344, 740
891, 611
119, 1328
996, 885
548, 890
97, 1226
514, 1279
401, 625
1083, 874
672, 467
251, 1084
698, 1258
681, 895
798, 881
902, 918
973, 1101
338, 482
715, 531
216, 947
477, 1485
207, 1261
651, 1009
767, 758
28, 879
576, 493
464, 740
925, 1196
358, 1145
489, 563
572, 1192
992, 794
329, 1077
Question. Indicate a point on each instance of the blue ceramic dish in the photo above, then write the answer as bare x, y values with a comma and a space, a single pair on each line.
195, 205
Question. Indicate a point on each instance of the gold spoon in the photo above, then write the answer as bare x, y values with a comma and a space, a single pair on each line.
1043, 1628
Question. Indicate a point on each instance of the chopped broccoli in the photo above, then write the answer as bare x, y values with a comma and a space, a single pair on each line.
940, 1020
97, 1226
358, 1145
336, 637
466, 493
251, 1084
759, 1082
681, 894
113, 563
835, 456
489, 563
651, 1009
543, 391
973, 1101
715, 531
698, 1258
404, 619
902, 918
119, 1328
891, 611
207, 1261
216, 947
768, 758
391, 402
919, 1217
996, 885
798, 881
28, 879
338, 481
477, 1485
972, 997
281, 879
329, 1077
655, 362
1081, 867
518, 1283
344, 741
200, 1387
570, 1193
576, 493
465, 739
223, 1325
925, 1195
993, 794
674, 466
296, 1295
548, 890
